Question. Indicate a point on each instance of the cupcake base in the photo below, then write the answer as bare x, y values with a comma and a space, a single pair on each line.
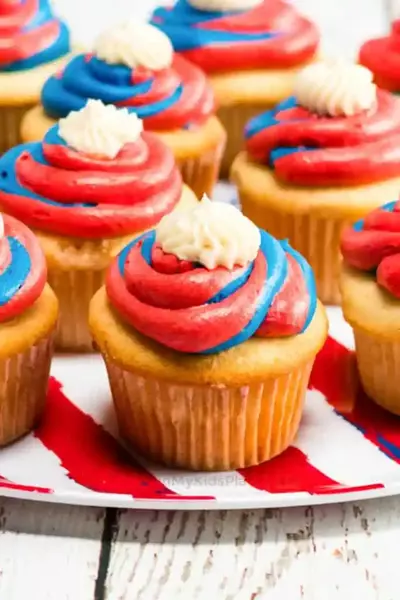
208, 428
375, 318
198, 151
76, 270
10, 125
25, 371
312, 219
236, 409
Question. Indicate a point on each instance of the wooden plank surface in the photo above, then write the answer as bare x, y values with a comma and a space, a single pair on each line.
49, 552
331, 552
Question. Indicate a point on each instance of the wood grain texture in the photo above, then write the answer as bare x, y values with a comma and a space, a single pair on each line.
47, 551
336, 551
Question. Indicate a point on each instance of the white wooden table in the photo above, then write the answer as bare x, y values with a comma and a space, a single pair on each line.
54, 552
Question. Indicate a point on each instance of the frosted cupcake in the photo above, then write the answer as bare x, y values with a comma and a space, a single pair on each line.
370, 286
382, 57
94, 182
320, 160
250, 49
209, 328
33, 45
28, 316
133, 66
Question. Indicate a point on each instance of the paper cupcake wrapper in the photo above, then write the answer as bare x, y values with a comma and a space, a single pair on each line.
316, 238
201, 173
378, 362
234, 119
210, 428
10, 126
74, 290
23, 387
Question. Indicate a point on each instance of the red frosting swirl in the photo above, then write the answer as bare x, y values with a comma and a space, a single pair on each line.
374, 245
307, 149
382, 57
23, 271
53, 187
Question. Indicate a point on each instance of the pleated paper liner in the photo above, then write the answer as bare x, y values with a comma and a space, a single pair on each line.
316, 238
234, 119
208, 428
201, 173
74, 290
10, 125
23, 388
378, 362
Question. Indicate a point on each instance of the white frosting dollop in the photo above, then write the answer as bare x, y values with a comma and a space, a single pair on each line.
99, 129
1, 226
335, 88
212, 234
135, 44
225, 5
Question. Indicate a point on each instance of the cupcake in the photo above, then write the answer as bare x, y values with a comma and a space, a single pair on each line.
209, 328
28, 316
320, 160
133, 66
250, 49
382, 57
370, 286
33, 45
93, 183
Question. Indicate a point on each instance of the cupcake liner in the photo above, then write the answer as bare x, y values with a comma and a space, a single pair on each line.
74, 290
210, 428
10, 126
378, 363
316, 238
234, 119
201, 173
23, 387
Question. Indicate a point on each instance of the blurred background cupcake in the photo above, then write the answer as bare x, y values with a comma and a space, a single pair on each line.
209, 328
28, 317
34, 44
382, 56
370, 285
250, 49
320, 160
94, 182
133, 65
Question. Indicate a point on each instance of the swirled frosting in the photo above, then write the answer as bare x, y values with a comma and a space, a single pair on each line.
239, 35
22, 268
373, 245
213, 234
337, 89
382, 57
30, 35
192, 309
305, 148
175, 97
135, 45
53, 187
100, 130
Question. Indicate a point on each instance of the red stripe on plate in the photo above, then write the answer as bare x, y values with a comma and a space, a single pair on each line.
6, 483
291, 472
91, 456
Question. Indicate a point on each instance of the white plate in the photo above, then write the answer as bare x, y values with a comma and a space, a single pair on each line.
346, 449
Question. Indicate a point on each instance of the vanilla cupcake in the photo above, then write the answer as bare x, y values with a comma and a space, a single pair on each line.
92, 184
209, 328
133, 66
320, 160
370, 286
34, 44
251, 51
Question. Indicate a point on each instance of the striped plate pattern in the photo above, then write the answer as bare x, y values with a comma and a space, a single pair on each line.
347, 447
